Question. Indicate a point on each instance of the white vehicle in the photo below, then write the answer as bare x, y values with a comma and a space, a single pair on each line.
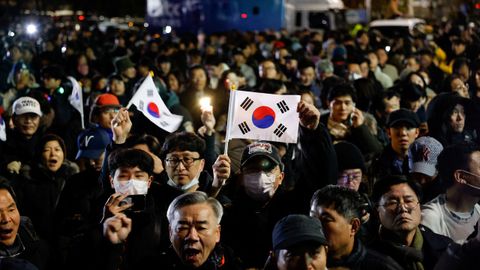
313, 14
399, 27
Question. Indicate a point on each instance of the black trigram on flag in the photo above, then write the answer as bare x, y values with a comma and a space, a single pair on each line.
246, 103
280, 130
282, 105
244, 127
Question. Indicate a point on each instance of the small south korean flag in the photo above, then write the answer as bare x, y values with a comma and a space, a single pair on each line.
262, 116
3, 129
148, 101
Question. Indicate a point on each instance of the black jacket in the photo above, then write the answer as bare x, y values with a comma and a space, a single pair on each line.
364, 258
27, 246
434, 245
247, 225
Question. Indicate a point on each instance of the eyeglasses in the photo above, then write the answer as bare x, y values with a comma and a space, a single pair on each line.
392, 205
186, 161
354, 177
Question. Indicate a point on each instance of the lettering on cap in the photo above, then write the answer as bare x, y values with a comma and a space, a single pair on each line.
260, 147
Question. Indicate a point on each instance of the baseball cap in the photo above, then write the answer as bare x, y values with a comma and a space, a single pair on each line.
425, 151
123, 63
261, 149
403, 115
107, 100
26, 105
295, 229
91, 143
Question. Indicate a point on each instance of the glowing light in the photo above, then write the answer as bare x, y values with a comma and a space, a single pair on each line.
81, 18
387, 48
168, 29
130, 24
64, 49
145, 25
31, 29
205, 104
77, 27
244, 15
11, 33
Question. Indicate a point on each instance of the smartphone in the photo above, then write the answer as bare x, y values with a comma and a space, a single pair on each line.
138, 201
350, 118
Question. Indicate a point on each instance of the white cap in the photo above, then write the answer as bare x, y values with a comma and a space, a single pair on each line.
26, 105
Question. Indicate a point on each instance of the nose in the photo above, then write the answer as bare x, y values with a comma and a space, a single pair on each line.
3, 218
192, 235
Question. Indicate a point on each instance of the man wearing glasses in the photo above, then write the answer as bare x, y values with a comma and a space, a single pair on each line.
400, 235
186, 157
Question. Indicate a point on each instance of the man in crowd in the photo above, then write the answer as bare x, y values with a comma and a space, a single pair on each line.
298, 243
455, 213
402, 129
18, 237
258, 197
400, 235
194, 231
19, 148
339, 209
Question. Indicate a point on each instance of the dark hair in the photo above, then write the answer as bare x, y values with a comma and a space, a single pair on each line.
270, 86
412, 92
345, 201
305, 63
458, 63
130, 158
5, 184
378, 103
48, 138
365, 89
343, 89
452, 158
383, 186
150, 141
183, 141
53, 71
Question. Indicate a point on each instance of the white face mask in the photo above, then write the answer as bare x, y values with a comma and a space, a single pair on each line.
354, 76
472, 174
131, 187
259, 186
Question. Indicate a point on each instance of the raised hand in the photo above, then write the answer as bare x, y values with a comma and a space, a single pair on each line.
121, 126
309, 115
221, 170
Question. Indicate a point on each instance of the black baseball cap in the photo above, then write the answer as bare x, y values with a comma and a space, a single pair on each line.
295, 229
261, 149
403, 116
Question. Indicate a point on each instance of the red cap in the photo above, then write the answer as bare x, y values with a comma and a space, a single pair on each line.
107, 100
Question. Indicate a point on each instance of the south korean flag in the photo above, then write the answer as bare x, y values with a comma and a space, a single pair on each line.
262, 116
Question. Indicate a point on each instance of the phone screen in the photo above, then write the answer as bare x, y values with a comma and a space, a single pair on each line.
139, 202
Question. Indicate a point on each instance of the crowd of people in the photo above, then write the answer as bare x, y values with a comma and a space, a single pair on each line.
385, 173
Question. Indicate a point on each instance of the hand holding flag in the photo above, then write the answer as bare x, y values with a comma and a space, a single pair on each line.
309, 115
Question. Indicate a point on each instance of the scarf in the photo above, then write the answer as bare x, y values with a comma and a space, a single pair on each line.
410, 257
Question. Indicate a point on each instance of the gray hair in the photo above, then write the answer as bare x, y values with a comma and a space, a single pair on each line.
192, 198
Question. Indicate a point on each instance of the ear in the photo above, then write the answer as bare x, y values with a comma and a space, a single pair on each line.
280, 178
111, 181
356, 224
217, 233
389, 133
202, 164
149, 182
459, 177
170, 233
417, 131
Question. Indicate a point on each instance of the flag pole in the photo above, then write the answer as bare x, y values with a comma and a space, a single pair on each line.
231, 102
